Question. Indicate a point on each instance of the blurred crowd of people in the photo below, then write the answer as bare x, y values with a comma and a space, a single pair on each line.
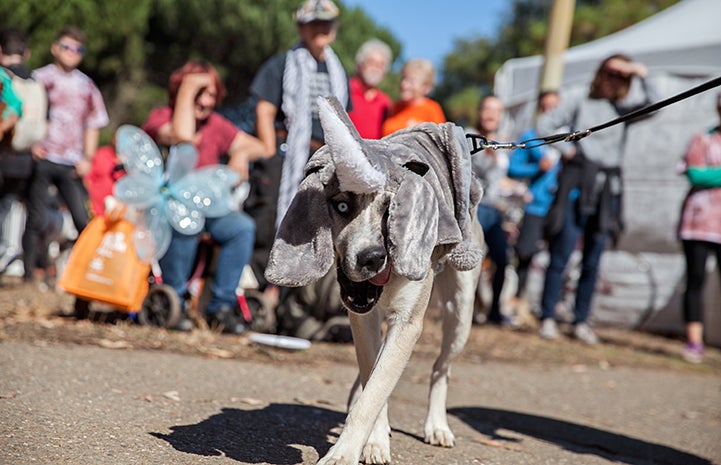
558, 198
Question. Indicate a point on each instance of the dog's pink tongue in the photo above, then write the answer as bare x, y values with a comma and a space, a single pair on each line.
382, 278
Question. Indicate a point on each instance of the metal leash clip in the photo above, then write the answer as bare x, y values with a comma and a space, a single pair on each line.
578, 135
480, 143
504, 145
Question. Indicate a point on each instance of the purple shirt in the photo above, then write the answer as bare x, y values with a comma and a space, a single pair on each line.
75, 104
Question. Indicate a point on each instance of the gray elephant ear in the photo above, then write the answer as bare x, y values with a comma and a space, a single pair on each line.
303, 248
412, 227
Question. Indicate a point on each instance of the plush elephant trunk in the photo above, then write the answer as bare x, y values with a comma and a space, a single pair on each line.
354, 171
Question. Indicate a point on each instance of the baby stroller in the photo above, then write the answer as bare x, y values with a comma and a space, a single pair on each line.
100, 270
161, 196
162, 307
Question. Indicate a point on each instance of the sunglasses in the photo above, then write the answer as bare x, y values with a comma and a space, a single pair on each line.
69, 48
614, 74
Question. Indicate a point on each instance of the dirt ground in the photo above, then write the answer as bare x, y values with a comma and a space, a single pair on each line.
29, 314
107, 390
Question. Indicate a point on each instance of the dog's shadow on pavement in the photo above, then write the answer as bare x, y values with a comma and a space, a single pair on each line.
266, 435
574, 437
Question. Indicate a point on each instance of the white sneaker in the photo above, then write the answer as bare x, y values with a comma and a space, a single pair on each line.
549, 329
585, 334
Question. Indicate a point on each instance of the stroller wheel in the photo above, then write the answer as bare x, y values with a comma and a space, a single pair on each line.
81, 308
263, 314
161, 307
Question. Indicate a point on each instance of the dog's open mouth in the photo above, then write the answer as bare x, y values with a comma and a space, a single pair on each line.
361, 297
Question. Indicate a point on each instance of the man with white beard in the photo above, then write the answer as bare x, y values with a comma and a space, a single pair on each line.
370, 104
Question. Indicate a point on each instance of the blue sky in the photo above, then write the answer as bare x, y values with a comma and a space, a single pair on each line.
429, 29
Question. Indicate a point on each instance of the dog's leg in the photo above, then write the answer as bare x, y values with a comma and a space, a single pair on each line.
367, 338
456, 291
408, 304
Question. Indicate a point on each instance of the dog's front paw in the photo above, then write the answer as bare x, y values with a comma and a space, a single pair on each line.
335, 461
377, 453
442, 437
337, 456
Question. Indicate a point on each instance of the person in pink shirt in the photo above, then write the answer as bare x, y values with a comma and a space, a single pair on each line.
76, 115
700, 228
194, 90
370, 104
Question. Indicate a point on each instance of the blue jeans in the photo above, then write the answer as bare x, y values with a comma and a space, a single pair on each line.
491, 221
561, 247
234, 233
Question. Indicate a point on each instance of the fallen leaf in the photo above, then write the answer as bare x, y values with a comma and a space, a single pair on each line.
172, 395
248, 400
108, 344
215, 352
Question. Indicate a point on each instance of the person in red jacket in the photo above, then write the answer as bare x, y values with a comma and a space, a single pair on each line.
370, 104
195, 90
106, 168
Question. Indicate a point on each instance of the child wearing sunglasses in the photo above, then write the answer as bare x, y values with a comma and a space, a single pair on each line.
76, 113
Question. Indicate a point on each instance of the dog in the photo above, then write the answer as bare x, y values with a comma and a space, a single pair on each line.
394, 216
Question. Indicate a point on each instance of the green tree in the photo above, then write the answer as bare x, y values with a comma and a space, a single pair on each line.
133, 45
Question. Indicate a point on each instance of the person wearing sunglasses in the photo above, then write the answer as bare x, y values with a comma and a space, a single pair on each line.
76, 113
588, 197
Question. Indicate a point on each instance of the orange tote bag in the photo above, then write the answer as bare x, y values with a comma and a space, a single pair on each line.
103, 266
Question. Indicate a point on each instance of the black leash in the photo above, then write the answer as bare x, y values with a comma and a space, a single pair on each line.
480, 143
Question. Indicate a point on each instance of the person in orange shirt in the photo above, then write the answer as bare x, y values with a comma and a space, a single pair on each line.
414, 106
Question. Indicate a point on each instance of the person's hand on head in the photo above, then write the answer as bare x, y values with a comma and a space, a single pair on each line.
198, 80
626, 68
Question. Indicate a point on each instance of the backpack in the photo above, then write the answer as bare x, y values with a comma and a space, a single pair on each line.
32, 126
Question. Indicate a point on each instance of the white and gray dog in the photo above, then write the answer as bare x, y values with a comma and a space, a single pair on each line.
394, 216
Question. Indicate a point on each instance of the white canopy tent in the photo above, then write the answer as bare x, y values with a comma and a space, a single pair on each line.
683, 40
681, 46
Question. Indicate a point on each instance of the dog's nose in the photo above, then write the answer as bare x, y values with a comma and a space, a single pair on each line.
372, 259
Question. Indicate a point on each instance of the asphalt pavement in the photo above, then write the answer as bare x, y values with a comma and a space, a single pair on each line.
69, 404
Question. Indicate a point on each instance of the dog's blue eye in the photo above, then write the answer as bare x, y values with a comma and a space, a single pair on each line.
342, 207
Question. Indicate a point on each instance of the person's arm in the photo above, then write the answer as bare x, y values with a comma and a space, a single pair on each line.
695, 165
704, 176
183, 121
7, 123
181, 124
13, 106
439, 116
525, 162
90, 144
245, 149
91, 136
95, 119
651, 92
265, 113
